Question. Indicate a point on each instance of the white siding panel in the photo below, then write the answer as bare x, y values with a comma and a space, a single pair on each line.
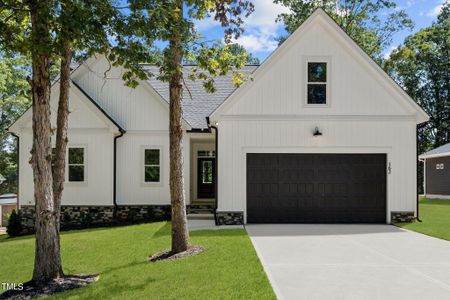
98, 188
131, 187
83, 114
134, 109
238, 137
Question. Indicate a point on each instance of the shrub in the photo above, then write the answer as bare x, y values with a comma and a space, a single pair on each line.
14, 224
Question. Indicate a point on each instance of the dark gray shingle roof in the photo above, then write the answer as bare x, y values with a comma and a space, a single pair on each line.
202, 103
444, 149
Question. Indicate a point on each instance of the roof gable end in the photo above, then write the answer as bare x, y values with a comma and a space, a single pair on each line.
79, 100
319, 20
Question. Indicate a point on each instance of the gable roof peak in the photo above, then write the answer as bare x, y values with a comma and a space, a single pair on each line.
319, 15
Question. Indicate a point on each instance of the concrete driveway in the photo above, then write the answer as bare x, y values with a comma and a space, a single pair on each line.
352, 262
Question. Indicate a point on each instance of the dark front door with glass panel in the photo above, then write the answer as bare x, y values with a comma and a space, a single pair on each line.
206, 178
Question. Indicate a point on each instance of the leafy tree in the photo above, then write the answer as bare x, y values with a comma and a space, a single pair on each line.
237, 49
48, 31
359, 18
14, 100
421, 66
172, 22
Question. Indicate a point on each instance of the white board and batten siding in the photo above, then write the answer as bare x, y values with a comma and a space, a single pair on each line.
365, 113
131, 189
143, 113
89, 129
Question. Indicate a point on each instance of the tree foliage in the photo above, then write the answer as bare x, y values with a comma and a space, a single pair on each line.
150, 22
237, 49
421, 65
371, 23
14, 100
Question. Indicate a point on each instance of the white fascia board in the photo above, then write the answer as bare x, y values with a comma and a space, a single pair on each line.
434, 155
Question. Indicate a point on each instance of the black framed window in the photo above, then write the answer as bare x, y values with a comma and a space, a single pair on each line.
76, 164
152, 165
317, 83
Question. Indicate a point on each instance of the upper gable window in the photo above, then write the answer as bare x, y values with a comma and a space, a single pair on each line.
317, 84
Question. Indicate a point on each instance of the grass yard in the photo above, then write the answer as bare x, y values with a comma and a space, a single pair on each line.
435, 216
228, 269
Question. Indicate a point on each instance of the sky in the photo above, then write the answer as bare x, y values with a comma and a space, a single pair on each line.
261, 30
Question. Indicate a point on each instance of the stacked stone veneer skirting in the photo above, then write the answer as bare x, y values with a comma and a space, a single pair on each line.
230, 218
73, 217
402, 216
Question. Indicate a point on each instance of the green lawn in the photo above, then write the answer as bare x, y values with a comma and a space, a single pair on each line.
435, 216
229, 269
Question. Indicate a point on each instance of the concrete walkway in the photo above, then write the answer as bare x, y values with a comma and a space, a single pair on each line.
352, 262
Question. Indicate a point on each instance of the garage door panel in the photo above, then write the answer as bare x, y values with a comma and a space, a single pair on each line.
316, 188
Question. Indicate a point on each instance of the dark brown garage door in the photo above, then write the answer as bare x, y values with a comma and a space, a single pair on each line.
316, 188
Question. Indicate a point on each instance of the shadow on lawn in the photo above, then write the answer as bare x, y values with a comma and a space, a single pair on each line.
218, 233
7, 238
123, 267
165, 231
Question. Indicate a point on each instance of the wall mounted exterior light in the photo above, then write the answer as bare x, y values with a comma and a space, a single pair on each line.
317, 132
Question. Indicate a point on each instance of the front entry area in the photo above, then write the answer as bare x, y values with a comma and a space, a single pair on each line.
316, 188
203, 172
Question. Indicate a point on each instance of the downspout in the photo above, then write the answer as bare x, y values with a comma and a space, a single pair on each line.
18, 169
418, 127
122, 132
216, 169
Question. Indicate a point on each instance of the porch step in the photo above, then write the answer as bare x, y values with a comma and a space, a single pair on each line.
203, 202
200, 209
205, 216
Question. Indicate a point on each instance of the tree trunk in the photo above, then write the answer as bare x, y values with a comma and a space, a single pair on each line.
62, 121
61, 130
180, 235
47, 263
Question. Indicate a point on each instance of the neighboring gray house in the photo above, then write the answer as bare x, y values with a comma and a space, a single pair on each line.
321, 134
436, 172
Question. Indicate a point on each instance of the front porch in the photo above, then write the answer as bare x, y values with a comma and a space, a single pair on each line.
202, 177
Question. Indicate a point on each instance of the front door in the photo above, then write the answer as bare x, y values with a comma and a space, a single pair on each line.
206, 178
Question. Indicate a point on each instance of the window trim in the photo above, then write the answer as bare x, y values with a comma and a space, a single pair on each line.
142, 166
317, 59
85, 164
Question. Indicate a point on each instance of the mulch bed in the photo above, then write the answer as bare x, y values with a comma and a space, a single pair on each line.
66, 283
168, 255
